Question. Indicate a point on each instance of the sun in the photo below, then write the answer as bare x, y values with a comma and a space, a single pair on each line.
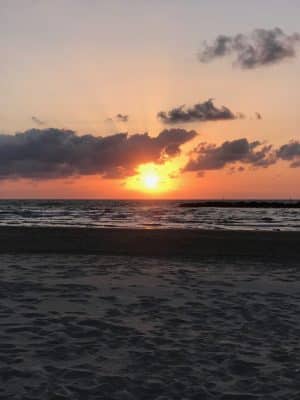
153, 178
150, 180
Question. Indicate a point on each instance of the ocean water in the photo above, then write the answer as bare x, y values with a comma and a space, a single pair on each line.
147, 214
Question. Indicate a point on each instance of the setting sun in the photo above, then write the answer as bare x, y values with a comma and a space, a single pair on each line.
150, 180
155, 178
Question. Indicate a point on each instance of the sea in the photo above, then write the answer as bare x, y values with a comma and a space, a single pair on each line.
147, 214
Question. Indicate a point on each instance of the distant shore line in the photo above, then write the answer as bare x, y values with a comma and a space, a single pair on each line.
150, 243
241, 204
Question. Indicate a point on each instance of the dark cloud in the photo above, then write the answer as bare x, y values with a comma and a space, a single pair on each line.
122, 117
258, 115
205, 111
290, 152
234, 169
212, 157
240, 115
118, 118
56, 153
37, 121
262, 47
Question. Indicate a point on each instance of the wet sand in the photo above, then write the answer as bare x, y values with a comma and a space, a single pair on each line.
152, 242
102, 327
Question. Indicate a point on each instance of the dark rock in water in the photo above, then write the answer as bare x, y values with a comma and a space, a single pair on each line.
267, 219
239, 396
242, 204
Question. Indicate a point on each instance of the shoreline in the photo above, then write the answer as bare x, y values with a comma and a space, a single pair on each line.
150, 242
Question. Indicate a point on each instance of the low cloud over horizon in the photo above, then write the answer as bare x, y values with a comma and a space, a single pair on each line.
290, 152
201, 112
57, 153
240, 152
261, 47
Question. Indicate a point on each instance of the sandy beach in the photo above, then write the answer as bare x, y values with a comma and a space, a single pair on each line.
127, 327
151, 242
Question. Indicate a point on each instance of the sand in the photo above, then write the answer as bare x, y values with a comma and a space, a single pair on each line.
120, 327
152, 242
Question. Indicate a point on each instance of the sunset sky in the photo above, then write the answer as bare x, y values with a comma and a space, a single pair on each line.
106, 68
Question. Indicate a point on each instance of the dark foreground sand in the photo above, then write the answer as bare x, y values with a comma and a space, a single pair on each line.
153, 243
103, 327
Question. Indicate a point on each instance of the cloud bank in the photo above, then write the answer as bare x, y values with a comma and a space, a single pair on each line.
212, 157
261, 48
202, 112
290, 152
56, 153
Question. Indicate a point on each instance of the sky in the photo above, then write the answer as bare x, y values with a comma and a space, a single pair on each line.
214, 120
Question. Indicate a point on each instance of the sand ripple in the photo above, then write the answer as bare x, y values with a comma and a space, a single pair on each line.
93, 327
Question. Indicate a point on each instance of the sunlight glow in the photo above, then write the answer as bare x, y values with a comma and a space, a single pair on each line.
153, 178
150, 180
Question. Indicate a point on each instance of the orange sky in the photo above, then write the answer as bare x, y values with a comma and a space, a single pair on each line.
98, 61
273, 182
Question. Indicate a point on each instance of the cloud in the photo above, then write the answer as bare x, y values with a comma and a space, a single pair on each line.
258, 115
240, 115
56, 153
37, 121
290, 152
212, 157
202, 112
118, 118
234, 169
122, 117
262, 47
